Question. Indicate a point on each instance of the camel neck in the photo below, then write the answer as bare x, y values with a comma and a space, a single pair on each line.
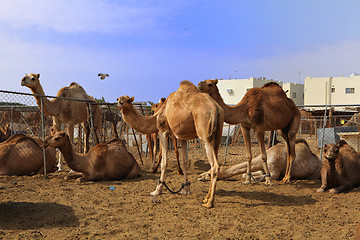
49, 108
232, 114
139, 122
75, 161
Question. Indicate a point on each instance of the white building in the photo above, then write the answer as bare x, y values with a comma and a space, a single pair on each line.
332, 90
233, 90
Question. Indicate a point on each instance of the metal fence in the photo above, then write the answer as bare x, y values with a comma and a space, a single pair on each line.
19, 113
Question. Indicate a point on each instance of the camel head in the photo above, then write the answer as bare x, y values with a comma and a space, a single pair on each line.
56, 140
125, 102
331, 151
208, 86
30, 80
155, 107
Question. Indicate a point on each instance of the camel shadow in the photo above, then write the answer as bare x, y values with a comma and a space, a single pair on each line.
202, 165
269, 198
28, 215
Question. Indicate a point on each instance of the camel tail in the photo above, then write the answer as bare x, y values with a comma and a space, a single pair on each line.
215, 126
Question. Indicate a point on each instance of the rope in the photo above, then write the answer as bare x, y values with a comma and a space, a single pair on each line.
174, 192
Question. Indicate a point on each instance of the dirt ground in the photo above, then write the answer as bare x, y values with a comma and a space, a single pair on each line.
32, 207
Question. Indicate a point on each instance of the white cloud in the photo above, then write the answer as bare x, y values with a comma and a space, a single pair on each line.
82, 15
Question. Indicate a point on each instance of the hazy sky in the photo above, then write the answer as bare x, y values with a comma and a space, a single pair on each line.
149, 47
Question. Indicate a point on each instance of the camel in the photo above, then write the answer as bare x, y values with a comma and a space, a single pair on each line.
262, 109
5, 132
10, 117
105, 161
23, 155
341, 168
305, 166
187, 114
155, 108
63, 111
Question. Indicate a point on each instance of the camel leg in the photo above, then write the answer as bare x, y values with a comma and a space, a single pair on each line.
164, 149
261, 140
186, 189
208, 202
290, 147
155, 163
86, 129
246, 135
177, 153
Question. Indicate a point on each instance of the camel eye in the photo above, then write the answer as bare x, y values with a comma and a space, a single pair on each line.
57, 138
210, 85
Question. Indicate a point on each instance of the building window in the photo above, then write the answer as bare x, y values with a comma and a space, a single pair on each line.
294, 95
349, 90
333, 90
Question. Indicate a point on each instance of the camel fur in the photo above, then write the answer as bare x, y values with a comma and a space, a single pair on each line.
154, 137
263, 109
341, 168
105, 161
187, 114
23, 155
305, 166
68, 112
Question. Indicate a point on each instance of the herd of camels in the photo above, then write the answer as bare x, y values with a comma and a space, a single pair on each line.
188, 113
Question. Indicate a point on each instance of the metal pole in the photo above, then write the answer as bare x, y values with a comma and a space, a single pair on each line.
227, 143
137, 145
11, 121
92, 124
43, 135
323, 132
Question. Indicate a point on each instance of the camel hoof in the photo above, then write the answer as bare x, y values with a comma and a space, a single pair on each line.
202, 177
247, 182
320, 190
269, 184
181, 172
155, 193
285, 181
208, 205
185, 192
78, 180
333, 190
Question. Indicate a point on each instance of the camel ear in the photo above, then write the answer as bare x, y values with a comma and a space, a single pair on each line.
38, 75
215, 81
325, 145
131, 99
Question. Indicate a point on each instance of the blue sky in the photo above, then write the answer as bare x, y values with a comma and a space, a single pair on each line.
149, 47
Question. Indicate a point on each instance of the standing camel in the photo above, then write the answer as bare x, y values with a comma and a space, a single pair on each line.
187, 114
155, 108
64, 111
262, 109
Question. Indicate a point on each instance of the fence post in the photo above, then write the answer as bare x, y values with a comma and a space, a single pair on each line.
43, 135
227, 143
92, 125
323, 132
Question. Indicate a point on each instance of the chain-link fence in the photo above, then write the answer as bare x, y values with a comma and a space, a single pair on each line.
91, 123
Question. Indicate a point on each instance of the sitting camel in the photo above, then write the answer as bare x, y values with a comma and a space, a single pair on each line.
105, 161
341, 168
23, 155
263, 109
305, 166
155, 108
188, 114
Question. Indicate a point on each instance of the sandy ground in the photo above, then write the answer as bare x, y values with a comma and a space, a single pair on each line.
32, 207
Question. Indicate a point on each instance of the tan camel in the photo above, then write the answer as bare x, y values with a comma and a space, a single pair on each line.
63, 111
23, 155
187, 114
105, 161
341, 169
262, 109
305, 166
155, 108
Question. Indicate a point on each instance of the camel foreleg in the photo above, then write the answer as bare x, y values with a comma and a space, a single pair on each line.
186, 189
246, 135
164, 149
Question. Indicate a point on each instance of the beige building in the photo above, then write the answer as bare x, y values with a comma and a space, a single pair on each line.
332, 90
233, 90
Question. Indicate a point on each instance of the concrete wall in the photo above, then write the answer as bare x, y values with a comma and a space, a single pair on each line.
331, 90
295, 92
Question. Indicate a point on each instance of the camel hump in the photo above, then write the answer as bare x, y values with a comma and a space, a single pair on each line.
271, 84
301, 140
187, 84
20, 137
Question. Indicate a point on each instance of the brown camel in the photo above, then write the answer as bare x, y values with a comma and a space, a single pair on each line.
63, 111
105, 161
305, 166
23, 155
262, 109
154, 109
341, 168
188, 114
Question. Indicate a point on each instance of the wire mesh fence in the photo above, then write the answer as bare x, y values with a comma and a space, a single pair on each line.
91, 123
